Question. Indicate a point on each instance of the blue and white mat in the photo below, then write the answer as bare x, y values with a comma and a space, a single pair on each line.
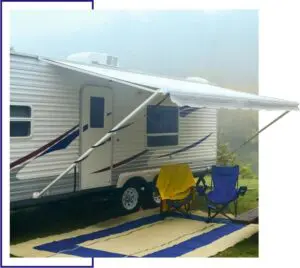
142, 234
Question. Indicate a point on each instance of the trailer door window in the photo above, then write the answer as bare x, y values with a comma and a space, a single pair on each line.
20, 121
97, 112
162, 125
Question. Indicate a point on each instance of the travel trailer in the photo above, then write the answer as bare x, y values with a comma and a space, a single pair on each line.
83, 125
57, 114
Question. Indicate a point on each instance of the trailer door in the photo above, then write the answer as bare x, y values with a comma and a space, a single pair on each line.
96, 121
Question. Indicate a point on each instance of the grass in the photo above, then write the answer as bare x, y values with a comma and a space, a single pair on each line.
246, 248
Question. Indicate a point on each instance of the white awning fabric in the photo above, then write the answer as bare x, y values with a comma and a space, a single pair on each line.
216, 97
185, 92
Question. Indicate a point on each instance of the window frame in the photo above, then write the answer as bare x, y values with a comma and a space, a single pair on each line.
22, 119
163, 133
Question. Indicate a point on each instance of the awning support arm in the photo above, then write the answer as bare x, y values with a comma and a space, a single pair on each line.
260, 131
103, 139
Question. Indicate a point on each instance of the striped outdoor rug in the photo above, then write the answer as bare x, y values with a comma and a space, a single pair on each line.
142, 234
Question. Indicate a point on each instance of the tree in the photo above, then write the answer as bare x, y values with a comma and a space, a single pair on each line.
224, 156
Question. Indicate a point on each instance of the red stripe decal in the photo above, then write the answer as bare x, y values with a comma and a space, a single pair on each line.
40, 150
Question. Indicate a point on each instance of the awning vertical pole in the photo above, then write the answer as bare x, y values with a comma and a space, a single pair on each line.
103, 139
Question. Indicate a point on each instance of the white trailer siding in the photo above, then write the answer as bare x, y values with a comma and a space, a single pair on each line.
53, 93
55, 110
131, 142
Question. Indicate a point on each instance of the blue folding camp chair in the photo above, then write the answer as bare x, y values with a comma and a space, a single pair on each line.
224, 191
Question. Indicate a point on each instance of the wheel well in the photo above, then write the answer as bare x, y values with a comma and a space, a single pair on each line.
139, 181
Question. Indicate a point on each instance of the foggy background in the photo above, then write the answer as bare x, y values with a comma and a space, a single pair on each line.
220, 46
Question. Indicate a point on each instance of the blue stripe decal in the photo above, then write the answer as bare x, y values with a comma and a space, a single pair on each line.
66, 141
187, 147
71, 246
63, 143
36, 152
184, 111
197, 241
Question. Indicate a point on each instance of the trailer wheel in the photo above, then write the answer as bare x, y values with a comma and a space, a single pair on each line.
152, 197
130, 198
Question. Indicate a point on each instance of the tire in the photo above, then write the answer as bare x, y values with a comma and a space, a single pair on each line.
130, 198
152, 198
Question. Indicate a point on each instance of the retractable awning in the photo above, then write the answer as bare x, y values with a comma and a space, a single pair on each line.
216, 97
181, 92
184, 92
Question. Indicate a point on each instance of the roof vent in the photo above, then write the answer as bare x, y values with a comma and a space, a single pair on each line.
198, 79
94, 58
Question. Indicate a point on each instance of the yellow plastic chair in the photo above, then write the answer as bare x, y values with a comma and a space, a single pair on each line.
176, 186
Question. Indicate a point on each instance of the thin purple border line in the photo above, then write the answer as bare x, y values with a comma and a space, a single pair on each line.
92, 2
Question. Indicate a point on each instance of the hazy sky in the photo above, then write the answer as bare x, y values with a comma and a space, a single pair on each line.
221, 46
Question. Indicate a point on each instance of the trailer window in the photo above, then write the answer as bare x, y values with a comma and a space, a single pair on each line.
97, 112
20, 121
162, 125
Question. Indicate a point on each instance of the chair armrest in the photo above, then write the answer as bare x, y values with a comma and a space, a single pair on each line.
242, 190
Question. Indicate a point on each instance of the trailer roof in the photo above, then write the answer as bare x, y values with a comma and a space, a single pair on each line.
183, 92
21, 54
